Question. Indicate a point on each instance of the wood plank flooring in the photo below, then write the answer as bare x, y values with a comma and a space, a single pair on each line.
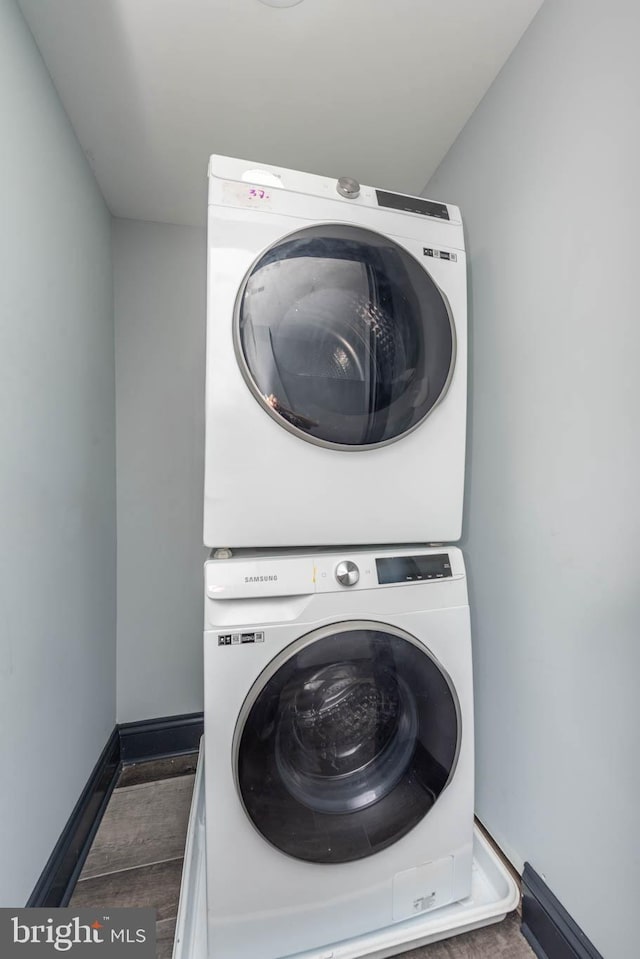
143, 824
136, 856
156, 885
136, 860
138, 773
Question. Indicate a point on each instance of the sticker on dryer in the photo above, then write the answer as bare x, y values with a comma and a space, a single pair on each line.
240, 639
246, 194
439, 254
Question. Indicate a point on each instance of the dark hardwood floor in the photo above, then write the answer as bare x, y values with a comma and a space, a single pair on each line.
136, 860
136, 857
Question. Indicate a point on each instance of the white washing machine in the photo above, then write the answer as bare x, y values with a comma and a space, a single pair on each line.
338, 745
336, 362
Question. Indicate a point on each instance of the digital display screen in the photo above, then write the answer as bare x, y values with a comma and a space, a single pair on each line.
412, 204
413, 569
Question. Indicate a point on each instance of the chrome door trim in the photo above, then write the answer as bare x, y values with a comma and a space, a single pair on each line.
251, 383
296, 646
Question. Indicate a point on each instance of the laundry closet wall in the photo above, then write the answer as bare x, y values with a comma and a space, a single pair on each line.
159, 298
546, 174
57, 466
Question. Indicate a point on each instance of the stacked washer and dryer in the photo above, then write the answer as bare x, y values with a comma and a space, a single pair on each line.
338, 747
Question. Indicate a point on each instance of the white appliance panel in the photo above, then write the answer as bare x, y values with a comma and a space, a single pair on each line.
264, 484
282, 905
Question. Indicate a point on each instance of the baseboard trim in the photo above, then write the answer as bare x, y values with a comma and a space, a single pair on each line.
158, 738
128, 743
546, 924
56, 884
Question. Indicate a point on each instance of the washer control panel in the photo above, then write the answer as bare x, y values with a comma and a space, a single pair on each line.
413, 569
266, 576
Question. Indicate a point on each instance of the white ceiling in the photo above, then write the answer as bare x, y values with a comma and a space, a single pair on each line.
374, 89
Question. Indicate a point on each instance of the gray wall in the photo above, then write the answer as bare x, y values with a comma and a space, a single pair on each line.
546, 174
159, 295
57, 466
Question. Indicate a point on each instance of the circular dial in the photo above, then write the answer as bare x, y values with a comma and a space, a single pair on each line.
348, 187
347, 573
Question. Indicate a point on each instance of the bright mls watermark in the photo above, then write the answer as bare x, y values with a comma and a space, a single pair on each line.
100, 933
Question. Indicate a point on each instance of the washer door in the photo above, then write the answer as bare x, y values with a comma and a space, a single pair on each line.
343, 337
345, 742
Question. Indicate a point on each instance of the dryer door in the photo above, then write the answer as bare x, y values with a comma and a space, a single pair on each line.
343, 337
345, 742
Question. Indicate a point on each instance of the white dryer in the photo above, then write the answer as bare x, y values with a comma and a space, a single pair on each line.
336, 362
338, 745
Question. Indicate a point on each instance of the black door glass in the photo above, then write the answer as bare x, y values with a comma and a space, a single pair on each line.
344, 337
348, 745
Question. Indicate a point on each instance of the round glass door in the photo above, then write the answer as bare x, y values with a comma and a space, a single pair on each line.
343, 337
345, 742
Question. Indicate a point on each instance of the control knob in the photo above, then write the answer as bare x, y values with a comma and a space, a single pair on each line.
347, 573
348, 187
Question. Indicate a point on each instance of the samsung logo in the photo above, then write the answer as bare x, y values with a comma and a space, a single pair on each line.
260, 579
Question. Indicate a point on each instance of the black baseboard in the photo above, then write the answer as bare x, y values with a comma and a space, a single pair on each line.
158, 738
129, 742
55, 885
546, 924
